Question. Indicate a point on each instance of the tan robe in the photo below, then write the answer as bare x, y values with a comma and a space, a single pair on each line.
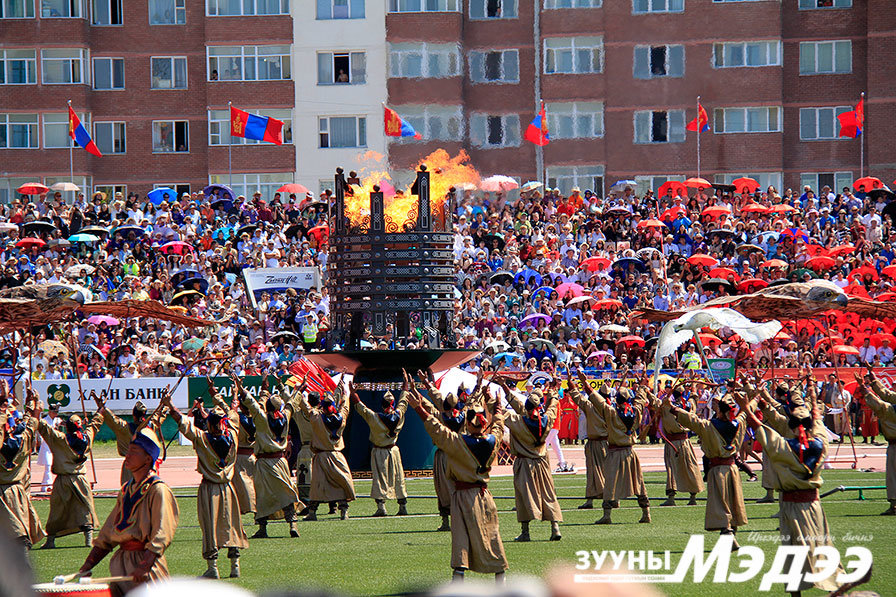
71, 500
218, 507
595, 445
123, 437
536, 498
17, 513
443, 485
303, 460
331, 479
273, 483
244, 473
886, 414
682, 469
622, 469
475, 537
801, 523
151, 521
725, 507
385, 459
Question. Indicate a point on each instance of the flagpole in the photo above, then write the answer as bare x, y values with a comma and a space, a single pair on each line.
699, 129
230, 149
71, 156
862, 139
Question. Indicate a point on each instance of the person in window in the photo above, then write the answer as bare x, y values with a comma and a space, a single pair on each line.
214, 78
342, 77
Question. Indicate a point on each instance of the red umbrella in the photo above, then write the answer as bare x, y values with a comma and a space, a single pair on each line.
878, 339
745, 184
570, 288
32, 188
869, 182
887, 296
633, 340
176, 247
751, 284
709, 338
607, 303
774, 263
844, 349
817, 250
782, 208
672, 213
841, 250
723, 272
827, 341
293, 188
702, 259
889, 271
593, 264
716, 211
821, 263
861, 271
677, 187
650, 223
698, 183
320, 233
27, 243
856, 290
754, 208
782, 336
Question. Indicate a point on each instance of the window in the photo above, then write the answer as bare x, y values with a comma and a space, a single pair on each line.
63, 66
108, 73
341, 68
170, 135
747, 120
658, 61
493, 9
654, 182
765, 179
820, 123
648, 6
659, 126
110, 189
424, 6
110, 137
495, 131
825, 57
72, 9
219, 127
340, 9
817, 180
343, 131
549, 4
585, 177
748, 53
445, 123
56, 129
237, 8
169, 72
16, 9
500, 66
573, 55
246, 184
83, 182
575, 120
167, 12
248, 63
18, 67
809, 4
18, 131
106, 12
424, 61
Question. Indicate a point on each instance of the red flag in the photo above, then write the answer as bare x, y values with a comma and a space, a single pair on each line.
80, 135
252, 126
860, 113
851, 122
396, 126
537, 132
701, 123
315, 376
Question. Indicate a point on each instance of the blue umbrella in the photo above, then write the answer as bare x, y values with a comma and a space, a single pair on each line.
124, 230
83, 238
620, 185
625, 262
507, 356
547, 291
527, 275
224, 192
531, 319
156, 196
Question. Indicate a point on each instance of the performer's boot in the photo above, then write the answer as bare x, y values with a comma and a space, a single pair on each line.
380, 509
343, 510
555, 531
88, 536
524, 535
234, 554
332, 508
446, 520
212, 571
693, 500
891, 511
293, 529
588, 505
312, 511
606, 519
768, 498
50, 543
457, 575
262, 532
402, 507
670, 499
645, 514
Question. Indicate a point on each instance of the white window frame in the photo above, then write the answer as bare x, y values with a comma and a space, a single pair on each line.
510, 130
81, 59
576, 46
818, 111
172, 60
837, 47
174, 124
254, 55
558, 4
722, 115
643, 7
219, 126
80, 5
677, 136
841, 4
423, 117
331, 5
33, 134
30, 65
353, 58
283, 8
577, 115
179, 14
447, 55
246, 184
60, 121
478, 66
110, 5
652, 182
425, 6
670, 49
582, 176
323, 128
25, 6
118, 134
722, 48
479, 10
844, 176
111, 61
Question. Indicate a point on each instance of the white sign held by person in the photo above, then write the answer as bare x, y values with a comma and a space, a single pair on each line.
120, 397
279, 279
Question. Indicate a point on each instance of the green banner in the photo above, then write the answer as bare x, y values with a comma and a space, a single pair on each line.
197, 387
722, 369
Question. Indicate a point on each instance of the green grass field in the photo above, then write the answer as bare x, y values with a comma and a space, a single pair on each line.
383, 556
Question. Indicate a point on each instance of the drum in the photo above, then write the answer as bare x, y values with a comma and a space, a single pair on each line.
73, 589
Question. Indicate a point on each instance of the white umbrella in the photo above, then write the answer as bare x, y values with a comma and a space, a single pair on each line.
615, 328
65, 186
497, 183
465, 186
531, 186
7, 227
499, 346
79, 270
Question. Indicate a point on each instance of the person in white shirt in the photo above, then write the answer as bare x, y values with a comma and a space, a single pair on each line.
867, 352
885, 352
45, 456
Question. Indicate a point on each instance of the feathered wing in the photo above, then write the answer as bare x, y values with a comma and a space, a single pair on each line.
135, 308
750, 331
668, 343
871, 309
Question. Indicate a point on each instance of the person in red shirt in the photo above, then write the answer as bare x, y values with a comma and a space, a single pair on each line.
565, 207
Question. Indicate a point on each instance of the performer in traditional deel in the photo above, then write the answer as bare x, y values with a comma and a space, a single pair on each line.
682, 470
124, 430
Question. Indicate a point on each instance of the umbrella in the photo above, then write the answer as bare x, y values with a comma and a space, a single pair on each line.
890, 210
38, 227
796, 233
98, 319
878, 339
650, 223
751, 284
292, 231
65, 186
570, 288
182, 295
745, 184
754, 208
618, 210
844, 349
633, 340
531, 186
614, 328
869, 182
862, 271
769, 234
723, 272
95, 230
717, 284
166, 358
183, 274
507, 356
889, 271
187, 284
774, 263
716, 211
285, 335
782, 208
498, 183
175, 247
841, 250
528, 275
596, 354
58, 242
721, 232
193, 344
576, 300
293, 189
678, 188
749, 248
546, 343
547, 290
53, 348
127, 228
501, 277
821, 263
885, 193
697, 183
76, 271
709, 338
156, 196
672, 213
32, 188
98, 352
533, 319
225, 192
703, 259
620, 185
7, 227
320, 233
465, 186
246, 229
498, 346
607, 304
625, 262
223, 204
497, 238
645, 253
27, 243
593, 264
83, 238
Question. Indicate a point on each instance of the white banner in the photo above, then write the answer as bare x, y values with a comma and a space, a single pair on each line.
120, 397
270, 279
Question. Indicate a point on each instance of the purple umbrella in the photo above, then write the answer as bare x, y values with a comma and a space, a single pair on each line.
533, 319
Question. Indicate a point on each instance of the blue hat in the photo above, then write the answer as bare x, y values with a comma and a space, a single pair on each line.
149, 442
